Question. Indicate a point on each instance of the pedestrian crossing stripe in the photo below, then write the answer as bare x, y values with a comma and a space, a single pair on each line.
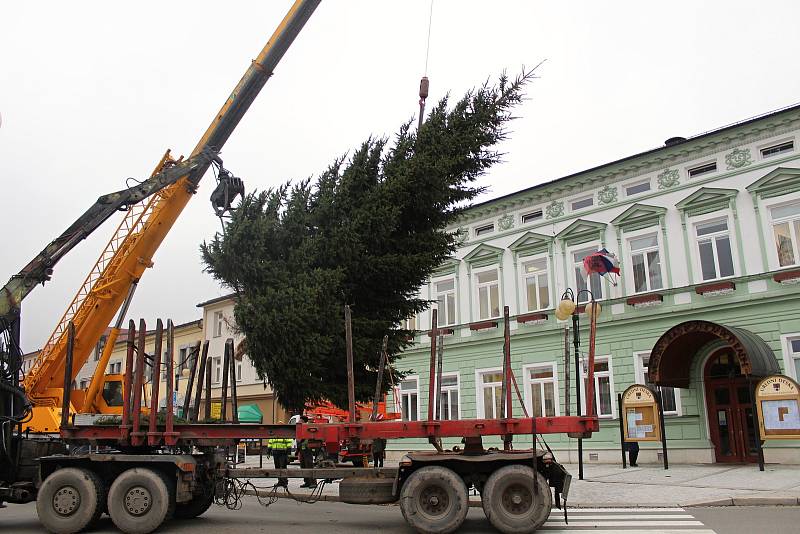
625, 520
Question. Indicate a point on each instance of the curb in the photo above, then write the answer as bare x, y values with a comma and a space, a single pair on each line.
746, 501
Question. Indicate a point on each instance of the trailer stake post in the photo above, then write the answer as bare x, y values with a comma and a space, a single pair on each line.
170, 436
351, 386
187, 396
226, 363
201, 374
127, 385
67, 394
207, 414
155, 377
137, 436
432, 371
379, 381
234, 399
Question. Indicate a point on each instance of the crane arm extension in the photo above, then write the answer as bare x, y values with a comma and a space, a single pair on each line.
39, 270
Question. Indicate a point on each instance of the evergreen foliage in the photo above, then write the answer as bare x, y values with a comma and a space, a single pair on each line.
368, 232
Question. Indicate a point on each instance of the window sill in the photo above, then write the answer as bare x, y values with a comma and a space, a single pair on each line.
534, 317
483, 325
646, 299
444, 331
717, 287
787, 277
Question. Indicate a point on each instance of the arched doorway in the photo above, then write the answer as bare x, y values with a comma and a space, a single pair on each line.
737, 359
730, 408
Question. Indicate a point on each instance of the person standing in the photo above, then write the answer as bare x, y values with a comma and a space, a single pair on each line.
378, 452
633, 452
306, 458
279, 449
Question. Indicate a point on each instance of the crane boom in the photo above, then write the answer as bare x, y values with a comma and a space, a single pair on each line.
144, 227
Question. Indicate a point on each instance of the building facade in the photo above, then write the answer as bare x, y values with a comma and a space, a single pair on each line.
219, 325
707, 230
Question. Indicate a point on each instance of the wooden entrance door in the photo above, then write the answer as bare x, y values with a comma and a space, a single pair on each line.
730, 411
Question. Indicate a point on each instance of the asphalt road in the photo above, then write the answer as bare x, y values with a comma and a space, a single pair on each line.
333, 518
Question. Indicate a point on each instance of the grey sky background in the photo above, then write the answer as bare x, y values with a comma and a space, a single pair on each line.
94, 92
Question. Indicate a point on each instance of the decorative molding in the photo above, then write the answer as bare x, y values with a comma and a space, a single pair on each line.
448, 266
639, 216
738, 158
532, 318
781, 181
461, 235
706, 200
582, 231
530, 243
442, 331
650, 161
484, 255
607, 195
506, 222
555, 209
668, 178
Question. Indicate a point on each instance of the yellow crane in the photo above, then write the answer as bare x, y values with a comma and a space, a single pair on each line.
152, 207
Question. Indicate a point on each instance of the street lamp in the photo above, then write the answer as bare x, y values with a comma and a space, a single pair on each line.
566, 308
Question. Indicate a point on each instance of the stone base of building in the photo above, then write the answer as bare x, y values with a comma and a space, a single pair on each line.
650, 456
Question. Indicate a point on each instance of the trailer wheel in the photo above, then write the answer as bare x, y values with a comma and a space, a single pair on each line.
70, 500
140, 500
196, 507
434, 500
510, 503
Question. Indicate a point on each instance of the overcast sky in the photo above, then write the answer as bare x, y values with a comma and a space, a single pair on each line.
94, 92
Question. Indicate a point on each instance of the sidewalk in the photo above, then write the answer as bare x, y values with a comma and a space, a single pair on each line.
610, 486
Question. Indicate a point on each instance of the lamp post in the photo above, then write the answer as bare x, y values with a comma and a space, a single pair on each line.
566, 308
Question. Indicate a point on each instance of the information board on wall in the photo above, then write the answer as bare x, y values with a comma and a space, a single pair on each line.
216, 410
778, 406
640, 412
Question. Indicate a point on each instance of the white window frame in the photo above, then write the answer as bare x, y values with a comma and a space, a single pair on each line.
596, 392
410, 392
648, 181
454, 292
488, 285
700, 166
638, 365
217, 323
573, 275
479, 387
638, 234
483, 229
216, 369
524, 282
448, 390
773, 144
583, 198
697, 221
771, 233
529, 383
539, 212
410, 323
789, 356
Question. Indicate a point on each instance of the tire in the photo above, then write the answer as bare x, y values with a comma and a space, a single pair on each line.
196, 507
434, 500
140, 500
367, 490
70, 500
509, 501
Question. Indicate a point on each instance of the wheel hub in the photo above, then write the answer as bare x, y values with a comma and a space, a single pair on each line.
138, 500
66, 500
434, 501
517, 499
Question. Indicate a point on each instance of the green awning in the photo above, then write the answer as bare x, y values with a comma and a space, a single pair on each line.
250, 413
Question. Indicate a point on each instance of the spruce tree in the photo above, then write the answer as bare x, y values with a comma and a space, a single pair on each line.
368, 232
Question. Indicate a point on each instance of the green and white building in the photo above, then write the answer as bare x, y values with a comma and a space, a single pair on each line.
707, 230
